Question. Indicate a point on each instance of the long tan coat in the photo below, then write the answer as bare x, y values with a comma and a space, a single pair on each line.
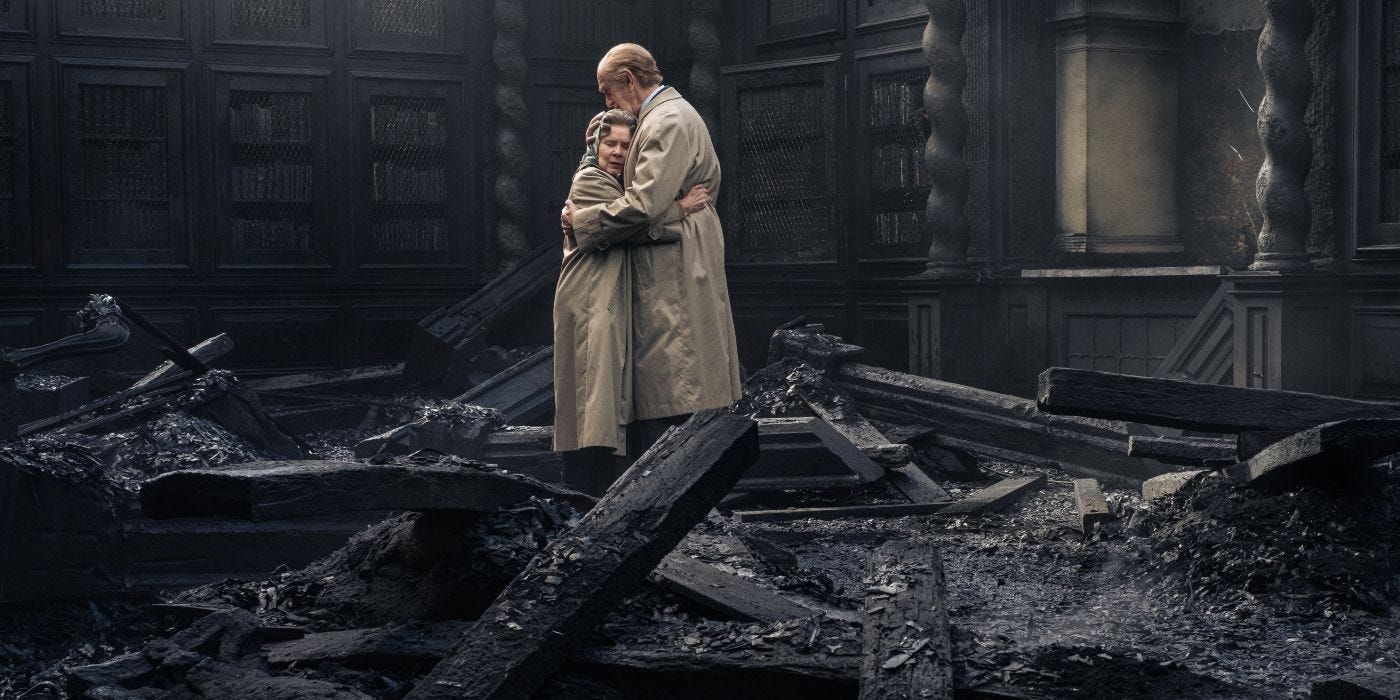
593, 330
684, 355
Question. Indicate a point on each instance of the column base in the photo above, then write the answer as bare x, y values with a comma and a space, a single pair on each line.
1281, 262
950, 270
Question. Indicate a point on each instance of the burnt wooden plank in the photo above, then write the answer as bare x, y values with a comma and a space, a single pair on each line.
997, 425
446, 341
903, 474
1328, 453
332, 378
724, 593
1252, 442
1378, 684
995, 497
1194, 406
205, 351
1189, 451
907, 648
780, 659
571, 586
522, 392
882, 510
1168, 484
396, 646
1090, 504
285, 489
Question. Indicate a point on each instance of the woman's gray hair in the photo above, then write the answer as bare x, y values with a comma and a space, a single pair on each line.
615, 117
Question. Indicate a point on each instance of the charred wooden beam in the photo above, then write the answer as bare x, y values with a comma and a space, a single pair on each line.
1381, 684
1090, 504
1330, 453
1190, 451
272, 490
996, 425
903, 474
1252, 442
907, 646
1168, 484
996, 497
780, 659
724, 593
397, 646
205, 351
813, 346
1194, 406
446, 341
881, 510
523, 392
568, 589
328, 379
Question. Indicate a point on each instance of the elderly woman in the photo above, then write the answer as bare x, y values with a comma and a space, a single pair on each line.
592, 320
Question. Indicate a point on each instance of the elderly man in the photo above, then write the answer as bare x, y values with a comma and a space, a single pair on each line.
684, 353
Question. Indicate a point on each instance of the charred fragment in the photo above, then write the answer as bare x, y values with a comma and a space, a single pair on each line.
1330, 454
723, 593
907, 651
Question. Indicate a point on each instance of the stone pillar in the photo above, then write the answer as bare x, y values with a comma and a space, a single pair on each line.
1287, 147
512, 123
706, 51
1116, 68
943, 153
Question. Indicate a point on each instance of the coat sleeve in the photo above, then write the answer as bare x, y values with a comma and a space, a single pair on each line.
639, 214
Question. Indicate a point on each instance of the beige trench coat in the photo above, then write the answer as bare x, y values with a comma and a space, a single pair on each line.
592, 331
684, 355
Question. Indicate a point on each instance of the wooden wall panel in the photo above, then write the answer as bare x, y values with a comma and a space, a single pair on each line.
142, 20
1375, 360
288, 338
270, 24
16, 231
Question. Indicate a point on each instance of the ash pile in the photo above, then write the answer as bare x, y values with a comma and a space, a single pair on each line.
843, 531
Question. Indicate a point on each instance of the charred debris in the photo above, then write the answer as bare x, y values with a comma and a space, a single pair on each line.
844, 531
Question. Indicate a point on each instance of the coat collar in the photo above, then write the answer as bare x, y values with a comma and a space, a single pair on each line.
661, 98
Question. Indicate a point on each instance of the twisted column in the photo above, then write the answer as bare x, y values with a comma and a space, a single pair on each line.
943, 154
1282, 55
512, 121
705, 51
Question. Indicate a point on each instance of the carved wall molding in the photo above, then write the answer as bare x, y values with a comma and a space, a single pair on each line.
512, 120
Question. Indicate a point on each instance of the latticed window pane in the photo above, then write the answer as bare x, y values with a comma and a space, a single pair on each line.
124, 197
899, 184
276, 14
409, 188
784, 203
790, 11
272, 176
1390, 115
592, 25
123, 9
415, 17
565, 123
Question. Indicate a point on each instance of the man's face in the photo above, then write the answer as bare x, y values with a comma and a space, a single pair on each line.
612, 149
622, 93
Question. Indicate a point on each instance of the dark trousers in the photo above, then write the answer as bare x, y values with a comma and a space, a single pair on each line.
589, 470
642, 434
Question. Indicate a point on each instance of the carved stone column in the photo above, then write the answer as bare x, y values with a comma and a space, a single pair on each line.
706, 51
1116, 67
943, 153
512, 123
1287, 147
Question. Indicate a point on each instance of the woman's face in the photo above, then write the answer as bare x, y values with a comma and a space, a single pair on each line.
612, 149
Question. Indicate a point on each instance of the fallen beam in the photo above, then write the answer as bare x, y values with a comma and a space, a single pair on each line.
995, 497
1328, 453
332, 378
907, 648
446, 341
1090, 504
206, 351
1168, 484
906, 476
882, 510
1193, 406
1381, 684
523, 392
580, 577
398, 646
273, 490
780, 659
724, 593
997, 425
1187, 451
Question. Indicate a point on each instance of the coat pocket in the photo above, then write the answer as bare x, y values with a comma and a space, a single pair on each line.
646, 278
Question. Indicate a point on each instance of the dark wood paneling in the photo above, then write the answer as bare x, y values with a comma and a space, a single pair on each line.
124, 163
271, 171
382, 334
290, 338
15, 18
16, 232
21, 327
141, 20
409, 26
892, 183
1375, 362
799, 21
583, 31
883, 330
269, 24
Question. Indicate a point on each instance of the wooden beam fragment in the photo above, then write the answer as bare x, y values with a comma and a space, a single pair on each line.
907, 477
1091, 505
882, 510
724, 593
331, 378
577, 580
1326, 454
286, 489
780, 659
1380, 684
995, 497
1194, 406
1189, 451
1168, 484
523, 392
907, 646
205, 351
397, 646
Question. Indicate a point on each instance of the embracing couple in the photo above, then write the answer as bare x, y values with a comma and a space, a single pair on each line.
643, 335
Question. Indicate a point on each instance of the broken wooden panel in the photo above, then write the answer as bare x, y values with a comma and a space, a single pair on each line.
1090, 504
813, 346
570, 586
995, 497
397, 646
903, 474
273, 490
724, 593
997, 425
907, 650
205, 351
1168, 484
1252, 442
523, 392
339, 378
793, 454
880, 510
1182, 450
781, 659
848, 437
1330, 453
1194, 406
1205, 351
917, 486
446, 341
